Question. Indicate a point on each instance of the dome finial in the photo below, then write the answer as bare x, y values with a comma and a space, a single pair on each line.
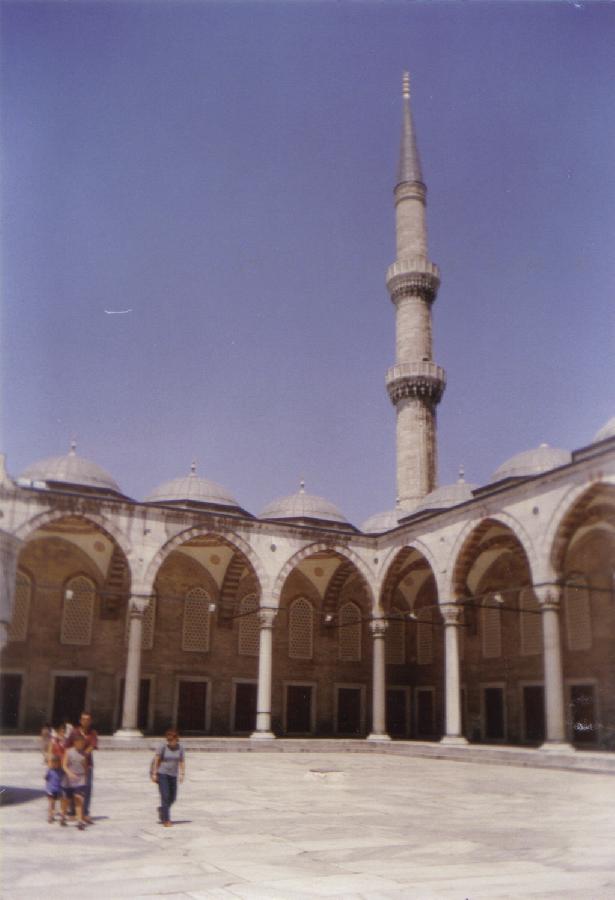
302, 486
405, 86
462, 474
193, 467
73, 447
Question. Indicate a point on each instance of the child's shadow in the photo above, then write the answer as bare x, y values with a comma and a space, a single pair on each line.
11, 795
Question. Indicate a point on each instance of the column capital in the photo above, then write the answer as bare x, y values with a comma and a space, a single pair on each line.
266, 616
137, 604
549, 596
451, 613
378, 627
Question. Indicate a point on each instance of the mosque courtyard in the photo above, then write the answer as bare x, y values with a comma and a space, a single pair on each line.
302, 825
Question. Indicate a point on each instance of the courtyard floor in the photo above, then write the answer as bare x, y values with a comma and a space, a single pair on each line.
307, 825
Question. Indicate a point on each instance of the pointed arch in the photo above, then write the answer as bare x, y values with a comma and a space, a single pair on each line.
106, 525
571, 507
229, 538
343, 552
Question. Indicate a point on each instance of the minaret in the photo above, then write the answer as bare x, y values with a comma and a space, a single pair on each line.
415, 383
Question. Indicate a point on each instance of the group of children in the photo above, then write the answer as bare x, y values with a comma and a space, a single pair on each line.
68, 759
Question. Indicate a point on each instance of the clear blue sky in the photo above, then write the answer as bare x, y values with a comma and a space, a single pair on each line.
225, 170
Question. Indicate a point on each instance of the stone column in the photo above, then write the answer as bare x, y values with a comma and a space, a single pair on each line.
555, 740
266, 618
130, 717
452, 702
378, 629
9, 553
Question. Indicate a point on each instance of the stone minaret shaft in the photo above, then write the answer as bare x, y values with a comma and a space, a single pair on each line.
415, 383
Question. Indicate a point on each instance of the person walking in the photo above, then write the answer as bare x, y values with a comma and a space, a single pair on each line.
169, 765
54, 788
76, 767
90, 737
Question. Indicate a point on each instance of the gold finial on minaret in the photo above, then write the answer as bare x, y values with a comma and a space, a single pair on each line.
405, 86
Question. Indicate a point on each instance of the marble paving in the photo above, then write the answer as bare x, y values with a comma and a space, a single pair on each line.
298, 826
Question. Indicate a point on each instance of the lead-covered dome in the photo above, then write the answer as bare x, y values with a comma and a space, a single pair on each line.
607, 431
192, 489
304, 506
70, 470
383, 521
447, 496
532, 462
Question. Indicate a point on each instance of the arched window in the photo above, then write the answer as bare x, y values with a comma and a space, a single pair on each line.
492, 628
249, 631
18, 629
424, 637
395, 639
78, 611
531, 623
300, 629
349, 633
578, 614
195, 634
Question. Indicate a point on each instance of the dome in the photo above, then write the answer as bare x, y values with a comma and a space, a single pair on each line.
192, 489
383, 521
532, 462
70, 469
303, 506
447, 496
607, 431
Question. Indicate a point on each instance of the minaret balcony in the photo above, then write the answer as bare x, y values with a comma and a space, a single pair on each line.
422, 380
413, 277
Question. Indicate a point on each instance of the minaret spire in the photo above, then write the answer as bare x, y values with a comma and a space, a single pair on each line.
415, 383
409, 160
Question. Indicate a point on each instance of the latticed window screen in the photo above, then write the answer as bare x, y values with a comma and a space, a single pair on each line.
249, 631
492, 629
424, 638
195, 635
395, 639
531, 623
578, 615
78, 611
149, 625
18, 629
349, 633
300, 630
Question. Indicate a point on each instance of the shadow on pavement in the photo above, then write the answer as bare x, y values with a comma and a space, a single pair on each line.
9, 795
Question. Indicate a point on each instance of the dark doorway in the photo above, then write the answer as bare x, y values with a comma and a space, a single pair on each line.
583, 713
191, 706
494, 713
396, 721
143, 710
424, 714
69, 693
245, 707
298, 709
348, 710
10, 695
534, 712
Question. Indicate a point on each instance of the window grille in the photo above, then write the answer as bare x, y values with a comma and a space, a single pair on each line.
531, 623
349, 633
395, 639
195, 634
249, 631
424, 638
78, 611
18, 629
492, 629
578, 615
300, 630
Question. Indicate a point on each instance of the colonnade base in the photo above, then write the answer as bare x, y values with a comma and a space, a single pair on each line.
378, 737
454, 740
262, 736
557, 747
128, 734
